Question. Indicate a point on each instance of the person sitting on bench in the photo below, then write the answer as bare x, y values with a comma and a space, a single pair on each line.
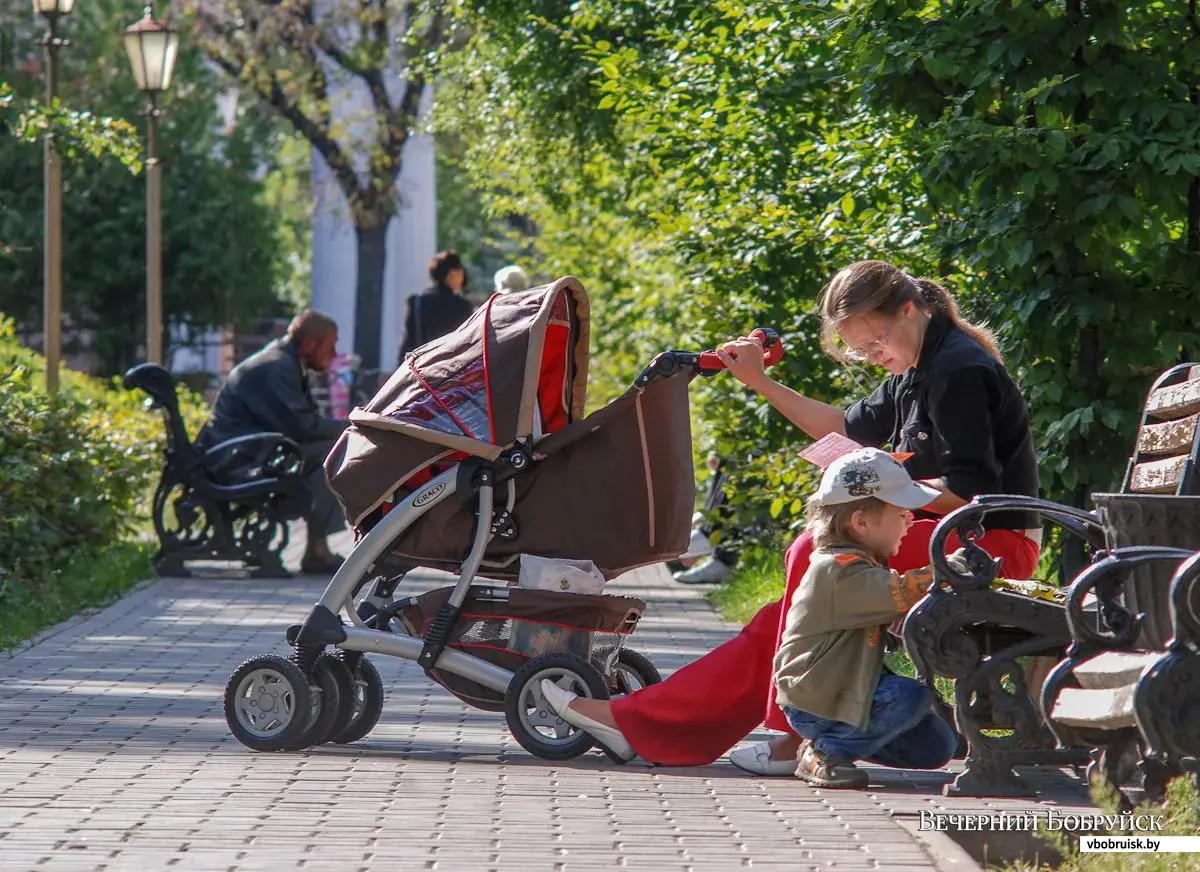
268, 393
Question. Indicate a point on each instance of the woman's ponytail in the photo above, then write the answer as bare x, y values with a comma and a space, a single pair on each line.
937, 299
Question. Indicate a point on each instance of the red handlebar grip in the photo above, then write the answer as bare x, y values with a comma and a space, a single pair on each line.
771, 343
767, 338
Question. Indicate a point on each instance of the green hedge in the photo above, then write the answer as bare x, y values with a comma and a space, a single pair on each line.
76, 472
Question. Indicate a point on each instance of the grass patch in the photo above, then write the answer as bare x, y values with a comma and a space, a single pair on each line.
757, 580
1180, 817
86, 581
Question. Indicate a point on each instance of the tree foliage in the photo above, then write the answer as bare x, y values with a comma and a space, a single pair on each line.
220, 249
1061, 145
1040, 157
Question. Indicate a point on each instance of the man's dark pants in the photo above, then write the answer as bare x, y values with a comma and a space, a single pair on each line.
325, 516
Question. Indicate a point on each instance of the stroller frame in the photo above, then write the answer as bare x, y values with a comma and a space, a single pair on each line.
343, 694
273, 703
323, 626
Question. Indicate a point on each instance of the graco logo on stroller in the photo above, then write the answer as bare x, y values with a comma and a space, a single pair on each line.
431, 494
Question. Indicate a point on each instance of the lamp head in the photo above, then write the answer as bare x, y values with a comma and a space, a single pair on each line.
152, 47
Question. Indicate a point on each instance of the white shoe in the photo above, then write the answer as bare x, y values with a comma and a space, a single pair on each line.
610, 737
757, 759
698, 546
712, 571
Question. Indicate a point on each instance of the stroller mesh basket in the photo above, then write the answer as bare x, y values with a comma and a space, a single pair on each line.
508, 626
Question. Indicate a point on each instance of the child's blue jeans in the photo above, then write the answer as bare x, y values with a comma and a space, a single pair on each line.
903, 732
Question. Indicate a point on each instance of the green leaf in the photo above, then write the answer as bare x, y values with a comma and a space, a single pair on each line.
1023, 252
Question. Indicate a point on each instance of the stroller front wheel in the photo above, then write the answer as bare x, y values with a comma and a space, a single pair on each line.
533, 723
267, 703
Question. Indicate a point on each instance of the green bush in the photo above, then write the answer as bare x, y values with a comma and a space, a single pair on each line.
76, 471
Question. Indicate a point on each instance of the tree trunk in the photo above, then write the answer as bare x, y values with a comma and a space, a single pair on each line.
368, 297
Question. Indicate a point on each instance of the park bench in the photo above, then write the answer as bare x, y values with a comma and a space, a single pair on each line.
229, 501
997, 643
1166, 702
1130, 684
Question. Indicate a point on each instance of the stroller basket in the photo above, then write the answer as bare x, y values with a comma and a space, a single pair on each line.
508, 626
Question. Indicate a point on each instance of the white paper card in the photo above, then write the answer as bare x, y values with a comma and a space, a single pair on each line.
829, 448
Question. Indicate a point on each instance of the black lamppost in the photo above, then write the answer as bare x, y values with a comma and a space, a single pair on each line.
152, 47
52, 11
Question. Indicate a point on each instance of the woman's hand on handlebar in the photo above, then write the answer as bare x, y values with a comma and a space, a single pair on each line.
744, 358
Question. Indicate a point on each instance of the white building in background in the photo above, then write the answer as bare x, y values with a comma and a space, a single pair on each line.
411, 240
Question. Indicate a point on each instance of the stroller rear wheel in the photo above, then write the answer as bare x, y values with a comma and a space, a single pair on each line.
344, 712
366, 703
633, 672
267, 703
532, 721
328, 682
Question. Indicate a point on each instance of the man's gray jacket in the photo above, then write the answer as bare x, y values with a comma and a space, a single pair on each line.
268, 393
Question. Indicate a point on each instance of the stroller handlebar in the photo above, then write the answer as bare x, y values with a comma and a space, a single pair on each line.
707, 362
765, 336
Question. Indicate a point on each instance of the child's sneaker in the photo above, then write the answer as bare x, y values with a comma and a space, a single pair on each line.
822, 770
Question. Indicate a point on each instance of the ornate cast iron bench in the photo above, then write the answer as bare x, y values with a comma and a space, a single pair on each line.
1166, 702
1090, 697
984, 639
1139, 645
230, 501
968, 631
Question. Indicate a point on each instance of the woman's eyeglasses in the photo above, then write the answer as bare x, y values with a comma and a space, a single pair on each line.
872, 348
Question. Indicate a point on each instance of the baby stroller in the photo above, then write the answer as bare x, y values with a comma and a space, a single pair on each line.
475, 452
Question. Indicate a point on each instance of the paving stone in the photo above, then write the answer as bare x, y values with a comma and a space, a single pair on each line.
114, 755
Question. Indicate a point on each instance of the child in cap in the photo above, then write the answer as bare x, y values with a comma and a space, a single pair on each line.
829, 675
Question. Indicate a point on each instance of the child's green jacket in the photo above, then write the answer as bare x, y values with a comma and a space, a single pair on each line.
831, 654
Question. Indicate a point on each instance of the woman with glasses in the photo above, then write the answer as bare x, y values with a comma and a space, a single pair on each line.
949, 403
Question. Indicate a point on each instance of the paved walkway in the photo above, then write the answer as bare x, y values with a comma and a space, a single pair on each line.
114, 755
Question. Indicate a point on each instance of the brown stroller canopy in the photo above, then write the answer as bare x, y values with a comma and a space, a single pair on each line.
615, 487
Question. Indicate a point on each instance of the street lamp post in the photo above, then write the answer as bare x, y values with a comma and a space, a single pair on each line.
52, 10
152, 46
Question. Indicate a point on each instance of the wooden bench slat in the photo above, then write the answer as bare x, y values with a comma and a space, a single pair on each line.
1169, 437
1175, 401
1104, 709
1158, 476
1112, 669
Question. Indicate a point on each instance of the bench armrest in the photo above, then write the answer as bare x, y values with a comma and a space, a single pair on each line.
279, 454
967, 522
1105, 578
1185, 604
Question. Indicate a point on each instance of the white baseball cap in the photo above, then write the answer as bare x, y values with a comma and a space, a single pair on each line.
869, 472
511, 279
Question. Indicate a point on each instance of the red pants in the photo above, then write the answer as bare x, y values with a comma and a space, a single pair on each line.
708, 706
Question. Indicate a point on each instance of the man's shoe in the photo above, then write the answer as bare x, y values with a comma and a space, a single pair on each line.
821, 770
610, 737
712, 571
327, 565
698, 546
757, 760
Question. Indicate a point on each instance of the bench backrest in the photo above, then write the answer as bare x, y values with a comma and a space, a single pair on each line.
159, 384
1164, 458
1159, 502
